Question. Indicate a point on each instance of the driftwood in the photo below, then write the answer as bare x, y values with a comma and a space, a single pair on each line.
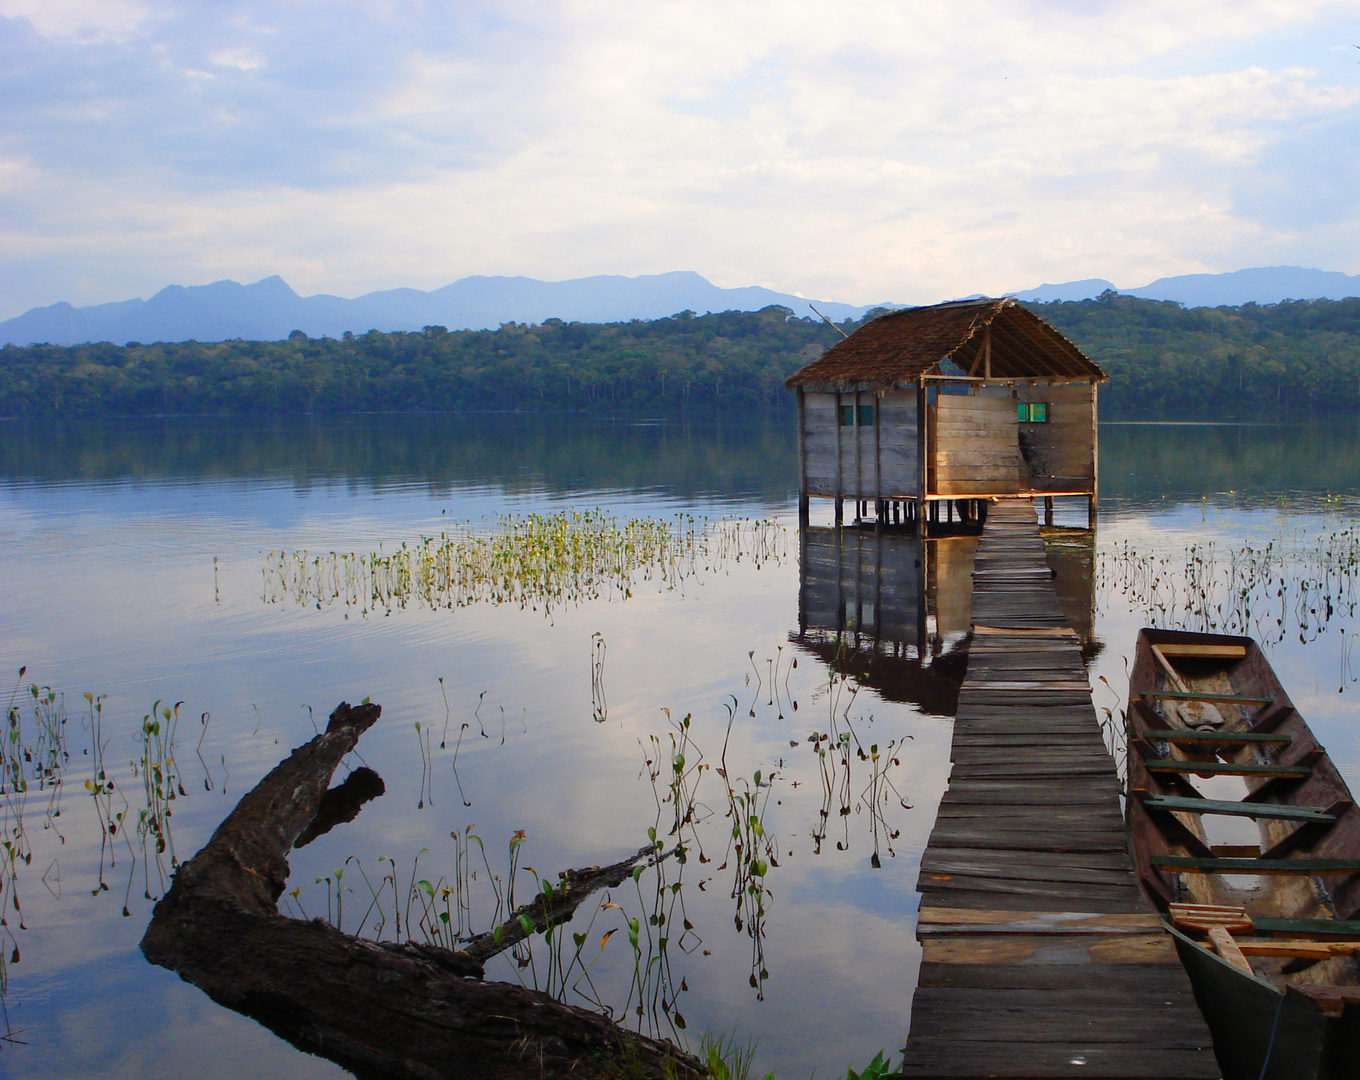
378, 1009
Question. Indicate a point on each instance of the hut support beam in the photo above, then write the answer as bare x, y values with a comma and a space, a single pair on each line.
803, 508
1093, 503
923, 467
840, 463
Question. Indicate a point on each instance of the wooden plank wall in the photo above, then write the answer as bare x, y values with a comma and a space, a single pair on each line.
897, 445
976, 447
1060, 455
1040, 957
893, 450
819, 439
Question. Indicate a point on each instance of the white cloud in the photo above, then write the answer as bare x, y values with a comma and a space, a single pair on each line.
82, 19
875, 150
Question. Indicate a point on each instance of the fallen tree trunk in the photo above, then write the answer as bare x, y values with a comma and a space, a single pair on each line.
378, 1009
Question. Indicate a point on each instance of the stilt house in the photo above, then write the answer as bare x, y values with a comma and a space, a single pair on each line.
954, 403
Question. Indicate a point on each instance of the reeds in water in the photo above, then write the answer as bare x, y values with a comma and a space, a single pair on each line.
535, 561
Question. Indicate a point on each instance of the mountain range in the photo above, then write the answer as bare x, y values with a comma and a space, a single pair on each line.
1260, 285
269, 310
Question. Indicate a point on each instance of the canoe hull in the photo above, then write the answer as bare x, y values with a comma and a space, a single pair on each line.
1257, 1028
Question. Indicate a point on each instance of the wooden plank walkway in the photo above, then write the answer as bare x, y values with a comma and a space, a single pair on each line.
1040, 956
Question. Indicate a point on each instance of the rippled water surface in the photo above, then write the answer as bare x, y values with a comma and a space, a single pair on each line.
143, 562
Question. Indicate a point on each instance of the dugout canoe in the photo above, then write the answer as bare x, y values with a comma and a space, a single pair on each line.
1245, 836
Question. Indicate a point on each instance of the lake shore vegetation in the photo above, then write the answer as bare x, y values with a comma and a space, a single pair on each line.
1292, 360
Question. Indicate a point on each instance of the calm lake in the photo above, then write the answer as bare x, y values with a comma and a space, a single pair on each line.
203, 562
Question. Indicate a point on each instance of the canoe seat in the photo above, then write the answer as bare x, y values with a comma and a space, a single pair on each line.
1335, 928
1226, 768
1204, 917
1215, 738
1219, 865
1196, 651
1196, 695
1228, 808
1297, 949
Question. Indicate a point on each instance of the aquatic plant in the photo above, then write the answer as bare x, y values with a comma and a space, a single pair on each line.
1292, 584
535, 561
599, 707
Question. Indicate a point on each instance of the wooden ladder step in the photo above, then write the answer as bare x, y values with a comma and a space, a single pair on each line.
1268, 811
1188, 865
1189, 735
1227, 768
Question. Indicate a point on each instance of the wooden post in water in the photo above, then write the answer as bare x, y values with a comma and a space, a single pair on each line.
803, 513
923, 475
1094, 501
859, 461
880, 502
840, 467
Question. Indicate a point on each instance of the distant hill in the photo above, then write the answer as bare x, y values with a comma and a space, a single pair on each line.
269, 310
1262, 285
1086, 289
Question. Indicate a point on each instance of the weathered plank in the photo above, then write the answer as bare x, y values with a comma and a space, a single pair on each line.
1012, 984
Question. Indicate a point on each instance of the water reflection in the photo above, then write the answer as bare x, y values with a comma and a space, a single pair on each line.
1072, 557
887, 609
745, 455
894, 611
132, 558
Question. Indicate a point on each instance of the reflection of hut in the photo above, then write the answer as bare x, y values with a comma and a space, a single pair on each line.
955, 402
872, 586
863, 610
1072, 555
893, 609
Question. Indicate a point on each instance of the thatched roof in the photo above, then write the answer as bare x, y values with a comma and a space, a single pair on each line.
896, 349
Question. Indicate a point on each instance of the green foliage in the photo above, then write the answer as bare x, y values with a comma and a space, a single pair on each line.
735, 357
875, 1070
726, 1059
1293, 359
535, 561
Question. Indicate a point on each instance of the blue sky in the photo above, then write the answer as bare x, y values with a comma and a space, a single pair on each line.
869, 150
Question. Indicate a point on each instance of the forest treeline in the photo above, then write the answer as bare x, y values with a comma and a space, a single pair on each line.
1288, 360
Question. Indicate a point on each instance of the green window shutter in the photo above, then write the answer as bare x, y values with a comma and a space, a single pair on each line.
847, 416
866, 416
1038, 412
1021, 411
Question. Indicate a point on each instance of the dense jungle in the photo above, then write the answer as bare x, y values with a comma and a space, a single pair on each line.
1292, 360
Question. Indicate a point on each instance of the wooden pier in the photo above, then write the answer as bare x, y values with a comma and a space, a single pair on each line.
1040, 957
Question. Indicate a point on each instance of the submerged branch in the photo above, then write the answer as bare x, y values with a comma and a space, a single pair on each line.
553, 909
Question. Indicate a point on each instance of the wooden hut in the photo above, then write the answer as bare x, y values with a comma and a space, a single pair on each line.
953, 404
